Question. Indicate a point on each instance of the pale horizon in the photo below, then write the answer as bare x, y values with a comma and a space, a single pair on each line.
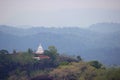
52, 13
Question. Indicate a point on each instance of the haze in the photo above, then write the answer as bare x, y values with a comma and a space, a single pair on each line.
57, 13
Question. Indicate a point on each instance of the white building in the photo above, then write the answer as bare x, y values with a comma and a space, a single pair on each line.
39, 54
40, 50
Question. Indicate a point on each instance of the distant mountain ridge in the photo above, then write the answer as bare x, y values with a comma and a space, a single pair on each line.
105, 27
98, 42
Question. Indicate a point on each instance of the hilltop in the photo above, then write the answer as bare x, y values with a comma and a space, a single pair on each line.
98, 42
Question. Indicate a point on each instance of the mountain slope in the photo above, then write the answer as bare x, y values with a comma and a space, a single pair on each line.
98, 42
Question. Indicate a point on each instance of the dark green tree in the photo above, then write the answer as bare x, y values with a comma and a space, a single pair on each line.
53, 52
95, 64
3, 51
30, 51
79, 58
52, 49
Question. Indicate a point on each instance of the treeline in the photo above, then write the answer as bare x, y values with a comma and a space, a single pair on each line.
22, 66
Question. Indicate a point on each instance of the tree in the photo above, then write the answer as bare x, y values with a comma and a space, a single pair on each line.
52, 49
95, 64
79, 58
74, 71
30, 51
5, 64
53, 52
14, 51
3, 51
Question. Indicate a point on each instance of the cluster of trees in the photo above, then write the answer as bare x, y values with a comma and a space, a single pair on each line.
85, 71
22, 66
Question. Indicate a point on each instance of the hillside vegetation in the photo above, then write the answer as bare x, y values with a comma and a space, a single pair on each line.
94, 43
22, 66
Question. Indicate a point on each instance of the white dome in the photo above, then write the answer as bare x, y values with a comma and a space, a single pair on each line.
40, 50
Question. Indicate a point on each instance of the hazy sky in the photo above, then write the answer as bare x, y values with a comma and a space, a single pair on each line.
59, 12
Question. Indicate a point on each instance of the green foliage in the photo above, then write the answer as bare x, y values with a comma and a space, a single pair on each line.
36, 73
66, 58
3, 51
95, 64
30, 51
79, 58
113, 74
73, 71
22, 66
64, 63
5, 58
108, 74
53, 54
23, 58
100, 74
5, 62
84, 71
52, 49
18, 75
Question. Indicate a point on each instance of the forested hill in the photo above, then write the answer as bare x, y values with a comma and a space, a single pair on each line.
98, 42
24, 66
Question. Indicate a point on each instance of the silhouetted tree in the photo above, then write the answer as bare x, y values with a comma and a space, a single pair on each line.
79, 58
95, 64
3, 51
30, 51
14, 51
